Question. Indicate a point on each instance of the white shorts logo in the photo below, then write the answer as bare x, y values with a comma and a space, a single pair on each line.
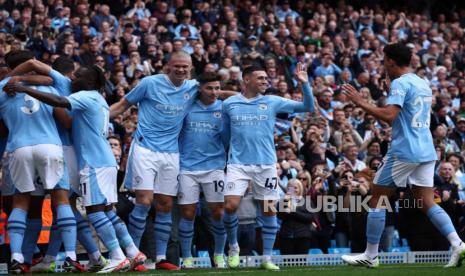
217, 114
138, 179
230, 186
263, 107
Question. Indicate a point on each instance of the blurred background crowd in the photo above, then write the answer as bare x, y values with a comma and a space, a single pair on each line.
334, 151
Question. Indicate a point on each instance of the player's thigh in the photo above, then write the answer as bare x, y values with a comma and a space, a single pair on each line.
166, 180
6, 185
189, 189
50, 166
72, 166
393, 173
98, 185
423, 175
265, 183
141, 169
213, 186
237, 180
21, 169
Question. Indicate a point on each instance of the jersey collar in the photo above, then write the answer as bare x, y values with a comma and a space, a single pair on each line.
251, 99
172, 85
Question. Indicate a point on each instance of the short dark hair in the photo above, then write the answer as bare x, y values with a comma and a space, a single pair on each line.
63, 64
208, 77
400, 53
99, 77
249, 70
15, 58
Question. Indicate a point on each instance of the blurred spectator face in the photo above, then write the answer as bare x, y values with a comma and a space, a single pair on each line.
114, 143
351, 153
100, 61
455, 162
177, 46
325, 98
461, 125
282, 87
339, 117
117, 154
375, 164
374, 149
446, 171
440, 132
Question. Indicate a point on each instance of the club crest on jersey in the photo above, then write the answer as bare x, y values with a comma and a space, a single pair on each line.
186, 96
217, 114
262, 106
138, 179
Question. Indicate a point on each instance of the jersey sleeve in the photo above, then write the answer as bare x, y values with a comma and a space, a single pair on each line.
138, 93
284, 105
397, 94
80, 100
60, 83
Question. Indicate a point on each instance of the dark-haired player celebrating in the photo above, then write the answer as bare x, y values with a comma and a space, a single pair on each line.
411, 157
250, 118
96, 161
203, 158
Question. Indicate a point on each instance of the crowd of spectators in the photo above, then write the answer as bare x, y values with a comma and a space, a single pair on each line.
334, 151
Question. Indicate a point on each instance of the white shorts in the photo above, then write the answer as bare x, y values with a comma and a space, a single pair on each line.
395, 173
98, 185
263, 177
45, 161
73, 169
191, 183
152, 171
7, 188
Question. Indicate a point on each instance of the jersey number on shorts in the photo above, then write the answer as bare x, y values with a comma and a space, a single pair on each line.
35, 105
422, 113
219, 185
271, 183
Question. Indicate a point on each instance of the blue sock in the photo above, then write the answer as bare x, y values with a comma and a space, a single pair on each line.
104, 229
136, 225
120, 229
33, 228
375, 225
162, 227
66, 222
54, 241
269, 230
16, 228
185, 234
231, 223
84, 234
441, 220
219, 235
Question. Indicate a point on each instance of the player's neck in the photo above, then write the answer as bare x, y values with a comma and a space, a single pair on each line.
175, 82
401, 71
250, 94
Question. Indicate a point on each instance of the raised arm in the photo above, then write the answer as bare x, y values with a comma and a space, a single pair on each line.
48, 98
308, 102
29, 66
387, 113
119, 107
32, 79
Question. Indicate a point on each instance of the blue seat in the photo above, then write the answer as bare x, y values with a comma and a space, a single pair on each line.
276, 252
203, 254
339, 250
313, 251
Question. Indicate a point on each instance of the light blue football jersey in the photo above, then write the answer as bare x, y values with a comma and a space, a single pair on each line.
162, 108
63, 85
29, 121
251, 122
411, 136
201, 144
91, 116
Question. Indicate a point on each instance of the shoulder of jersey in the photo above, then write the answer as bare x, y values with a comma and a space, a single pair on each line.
231, 99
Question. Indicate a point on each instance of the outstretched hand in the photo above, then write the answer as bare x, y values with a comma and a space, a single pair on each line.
301, 72
12, 88
352, 94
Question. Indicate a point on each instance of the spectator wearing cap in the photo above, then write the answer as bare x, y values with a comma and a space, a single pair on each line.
186, 23
251, 51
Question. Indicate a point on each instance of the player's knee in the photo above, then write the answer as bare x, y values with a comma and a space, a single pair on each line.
188, 213
144, 199
164, 204
217, 213
230, 206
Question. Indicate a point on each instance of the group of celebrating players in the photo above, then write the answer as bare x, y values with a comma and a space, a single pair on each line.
57, 124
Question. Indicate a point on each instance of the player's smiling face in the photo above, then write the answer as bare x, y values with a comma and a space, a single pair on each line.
258, 82
209, 92
179, 68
